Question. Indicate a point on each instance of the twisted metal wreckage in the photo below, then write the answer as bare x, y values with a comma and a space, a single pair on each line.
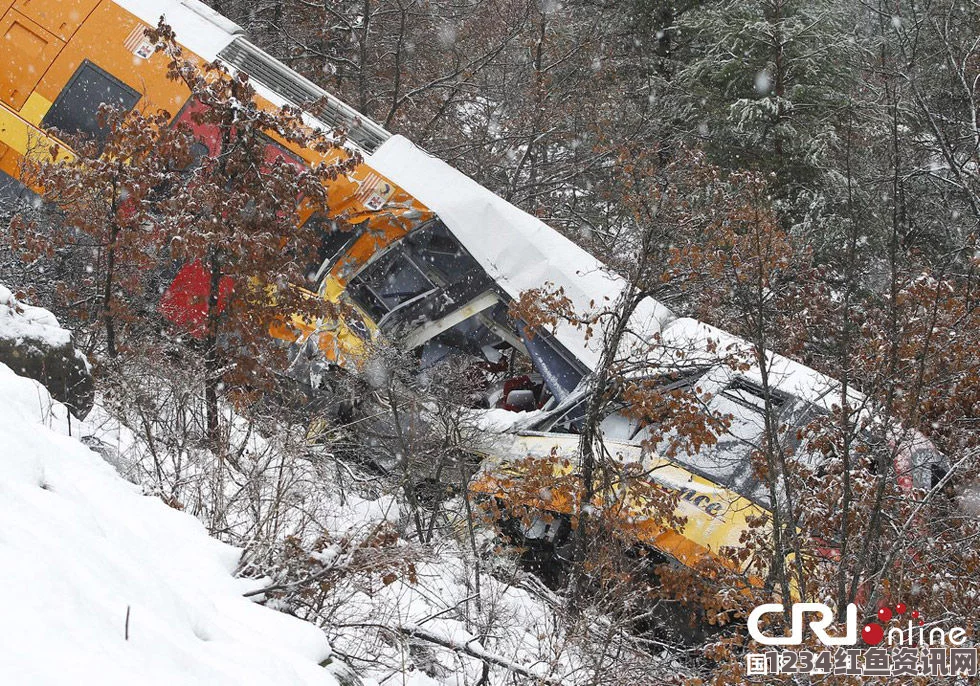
433, 262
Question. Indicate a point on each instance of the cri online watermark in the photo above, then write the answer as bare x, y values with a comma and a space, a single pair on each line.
912, 649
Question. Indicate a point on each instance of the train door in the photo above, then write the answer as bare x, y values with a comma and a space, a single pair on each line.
27, 49
76, 109
61, 17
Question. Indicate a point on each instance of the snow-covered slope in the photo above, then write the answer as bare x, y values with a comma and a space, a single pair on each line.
80, 548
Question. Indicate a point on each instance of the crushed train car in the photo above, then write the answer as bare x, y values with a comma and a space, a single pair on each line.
507, 251
720, 495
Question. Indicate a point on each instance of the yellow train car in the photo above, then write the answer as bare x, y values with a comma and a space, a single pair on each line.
64, 58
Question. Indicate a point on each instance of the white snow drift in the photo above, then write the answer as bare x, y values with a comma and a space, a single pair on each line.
80, 549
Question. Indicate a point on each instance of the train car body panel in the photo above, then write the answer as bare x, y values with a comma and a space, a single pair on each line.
62, 18
198, 27
28, 49
715, 518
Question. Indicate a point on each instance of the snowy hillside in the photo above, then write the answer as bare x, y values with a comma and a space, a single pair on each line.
81, 549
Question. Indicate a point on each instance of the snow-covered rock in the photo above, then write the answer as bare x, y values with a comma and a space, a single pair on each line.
33, 344
104, 585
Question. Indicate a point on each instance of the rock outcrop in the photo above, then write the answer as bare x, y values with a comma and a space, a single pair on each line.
33, 344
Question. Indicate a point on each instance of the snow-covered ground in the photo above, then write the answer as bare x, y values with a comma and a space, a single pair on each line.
81, 550
105, 585
398, 612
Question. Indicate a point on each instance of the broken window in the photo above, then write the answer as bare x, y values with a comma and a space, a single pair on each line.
389, 283
333, 242
632, 429
753, 396
438, 250
424, 278
471, 336
565, 421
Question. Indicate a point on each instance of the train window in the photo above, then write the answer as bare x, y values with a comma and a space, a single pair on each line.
333, 242
753, 396
198, 151
76, 109
13, 195
682, 379
389, 283
439, 251
399, 281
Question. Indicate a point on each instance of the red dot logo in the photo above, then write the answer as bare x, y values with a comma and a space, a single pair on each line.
900, 608
872, 634
884, 614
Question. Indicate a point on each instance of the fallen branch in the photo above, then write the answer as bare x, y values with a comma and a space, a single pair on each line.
470, 648
474, 650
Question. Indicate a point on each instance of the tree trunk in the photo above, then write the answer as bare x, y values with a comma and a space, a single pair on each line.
591, 437
110, 325
212, 362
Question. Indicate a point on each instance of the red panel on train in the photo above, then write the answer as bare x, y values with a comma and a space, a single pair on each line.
185, 302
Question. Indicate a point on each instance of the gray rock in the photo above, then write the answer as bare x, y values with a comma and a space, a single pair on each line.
61, 369
33, 344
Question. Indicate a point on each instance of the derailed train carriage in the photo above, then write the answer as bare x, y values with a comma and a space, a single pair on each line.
503, 251
432, 263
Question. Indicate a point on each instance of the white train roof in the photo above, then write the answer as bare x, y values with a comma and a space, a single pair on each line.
690, 343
